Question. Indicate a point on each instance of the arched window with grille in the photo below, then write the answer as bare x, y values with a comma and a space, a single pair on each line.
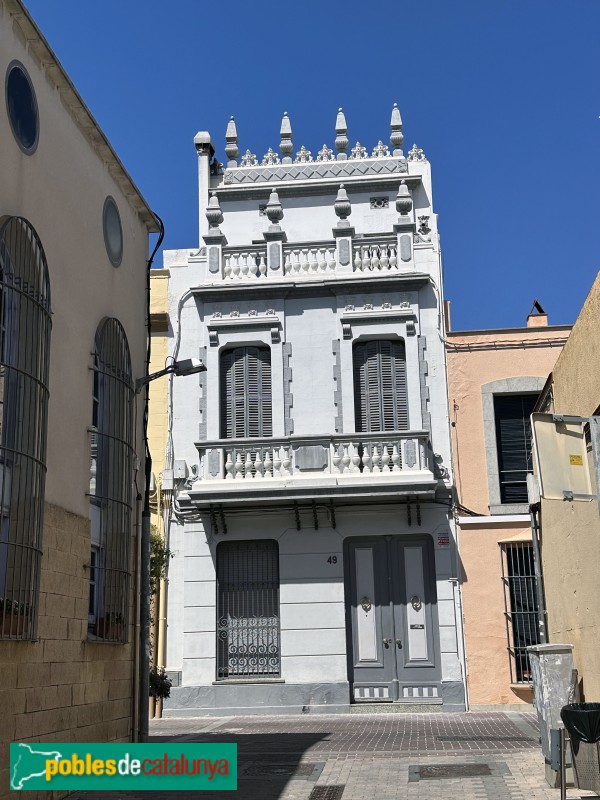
111, 484
25, 324
380, 392
246, 396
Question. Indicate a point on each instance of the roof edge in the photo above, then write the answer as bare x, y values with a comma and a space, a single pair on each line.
38, 46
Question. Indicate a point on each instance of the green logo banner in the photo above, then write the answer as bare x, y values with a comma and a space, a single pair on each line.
51, 766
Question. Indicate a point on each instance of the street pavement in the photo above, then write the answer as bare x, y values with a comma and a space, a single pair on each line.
474, 756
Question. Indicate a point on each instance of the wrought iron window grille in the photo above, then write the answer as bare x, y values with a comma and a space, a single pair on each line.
25, 323
520, 607
112, 459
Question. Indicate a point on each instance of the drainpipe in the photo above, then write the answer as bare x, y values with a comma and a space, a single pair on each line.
534, 511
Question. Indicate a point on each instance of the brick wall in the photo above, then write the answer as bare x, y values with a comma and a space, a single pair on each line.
63, 688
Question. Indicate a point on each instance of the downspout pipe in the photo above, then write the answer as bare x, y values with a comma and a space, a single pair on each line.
144, 648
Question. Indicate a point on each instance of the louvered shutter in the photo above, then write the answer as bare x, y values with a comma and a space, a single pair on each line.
513, 440
380, 394
246, 400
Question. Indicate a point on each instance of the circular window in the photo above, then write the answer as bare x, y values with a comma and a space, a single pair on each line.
113, 233
22, 107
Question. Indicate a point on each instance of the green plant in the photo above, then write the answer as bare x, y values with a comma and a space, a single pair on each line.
159, 559
160, 683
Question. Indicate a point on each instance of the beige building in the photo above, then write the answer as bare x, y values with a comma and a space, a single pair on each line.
73, 253
570, 529
494, 379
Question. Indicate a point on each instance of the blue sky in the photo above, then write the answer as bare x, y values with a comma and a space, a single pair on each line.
502, 95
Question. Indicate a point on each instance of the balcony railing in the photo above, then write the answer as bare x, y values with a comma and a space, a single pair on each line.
389, 457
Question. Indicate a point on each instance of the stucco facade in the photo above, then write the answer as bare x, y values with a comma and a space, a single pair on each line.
481, 366
305, 271
62, 686
570, 530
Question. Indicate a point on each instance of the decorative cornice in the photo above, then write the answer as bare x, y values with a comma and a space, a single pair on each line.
304, 167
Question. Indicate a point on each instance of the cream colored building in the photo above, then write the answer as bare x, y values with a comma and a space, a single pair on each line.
494, 379
570, 529
73, 254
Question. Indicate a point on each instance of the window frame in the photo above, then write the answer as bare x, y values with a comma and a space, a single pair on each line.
505, 386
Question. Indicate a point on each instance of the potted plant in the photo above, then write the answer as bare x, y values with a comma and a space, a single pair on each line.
160, 683
110, 626
14, 617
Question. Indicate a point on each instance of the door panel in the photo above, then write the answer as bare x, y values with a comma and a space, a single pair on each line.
390, 598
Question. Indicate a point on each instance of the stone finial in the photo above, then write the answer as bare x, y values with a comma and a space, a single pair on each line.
342, 204
404, 202
341, 138
214, 215
274, 209
286, 146
231, 149
396, 135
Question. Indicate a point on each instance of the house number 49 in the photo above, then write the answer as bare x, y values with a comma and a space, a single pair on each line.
332, 560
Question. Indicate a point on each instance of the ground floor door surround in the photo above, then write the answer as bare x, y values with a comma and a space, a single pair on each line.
393, 640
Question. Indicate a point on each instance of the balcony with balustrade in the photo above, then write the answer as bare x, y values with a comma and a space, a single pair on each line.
386, 464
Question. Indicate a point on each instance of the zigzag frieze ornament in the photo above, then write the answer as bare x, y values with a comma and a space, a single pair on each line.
315, 169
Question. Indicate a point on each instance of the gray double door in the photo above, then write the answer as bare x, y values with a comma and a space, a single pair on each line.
393, 640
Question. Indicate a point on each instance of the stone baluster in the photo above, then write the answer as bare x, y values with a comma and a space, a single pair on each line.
396, 135
276, 462
385, 459
286, 145
239, 466
253, 264
262, 267
405, 227
376, 459
286, 462
268, 464
358, 265
345, 459
395, 459
214, 240
367, 461
343, 231
296, 266
393, 257
384, 260
323, 259
375, 258
231, 148
314, 261
366, 258
235, 272
336, 459
258, 464
287, 263
227, 267
245, 265
355, 458
274, 236
305, 261
229, 466
341, 136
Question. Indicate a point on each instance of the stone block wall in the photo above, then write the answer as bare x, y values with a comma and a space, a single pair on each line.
61, 687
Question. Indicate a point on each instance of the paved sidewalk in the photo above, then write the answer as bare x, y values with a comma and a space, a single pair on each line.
492, 756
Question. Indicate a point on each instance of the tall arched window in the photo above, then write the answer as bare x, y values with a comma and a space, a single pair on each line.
246, 398
25, 324
111, 484
380, 395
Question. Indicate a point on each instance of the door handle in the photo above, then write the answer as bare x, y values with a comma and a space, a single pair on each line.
387, 642
399, 644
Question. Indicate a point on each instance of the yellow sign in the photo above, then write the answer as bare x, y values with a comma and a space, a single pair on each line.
576, 461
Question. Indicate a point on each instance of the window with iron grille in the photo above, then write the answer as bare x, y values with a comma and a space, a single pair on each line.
111, 483
25, 324
246, 396
380, 392
248, 640
513, 437
521, 607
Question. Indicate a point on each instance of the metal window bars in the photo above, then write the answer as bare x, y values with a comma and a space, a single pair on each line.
25, 324
111, 482
248, 638
520, 607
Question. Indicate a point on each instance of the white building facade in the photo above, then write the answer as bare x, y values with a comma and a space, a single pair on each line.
315, 554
